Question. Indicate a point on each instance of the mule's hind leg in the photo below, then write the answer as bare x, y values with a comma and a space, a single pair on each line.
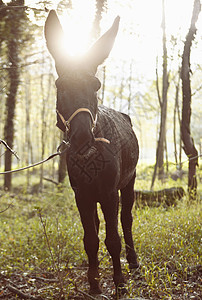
90, 222
127, 200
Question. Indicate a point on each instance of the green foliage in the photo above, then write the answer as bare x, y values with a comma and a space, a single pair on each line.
41, 236
169, 243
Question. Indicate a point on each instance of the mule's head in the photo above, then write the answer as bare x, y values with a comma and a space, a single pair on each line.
77, 85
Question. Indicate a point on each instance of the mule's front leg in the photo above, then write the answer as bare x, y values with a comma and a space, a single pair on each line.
113, 242
89, 221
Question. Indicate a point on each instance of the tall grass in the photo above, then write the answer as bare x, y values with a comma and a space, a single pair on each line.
41, 234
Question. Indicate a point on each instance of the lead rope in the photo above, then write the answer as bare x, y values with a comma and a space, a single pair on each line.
40, 162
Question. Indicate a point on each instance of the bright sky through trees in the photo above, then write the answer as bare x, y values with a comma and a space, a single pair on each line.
140, 35
138, 43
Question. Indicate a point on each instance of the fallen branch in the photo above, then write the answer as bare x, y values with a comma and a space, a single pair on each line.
155, 198
51, 180
2, 211
21, 294
47, 280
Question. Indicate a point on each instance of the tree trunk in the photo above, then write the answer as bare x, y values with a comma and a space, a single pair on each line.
43, 131
162, 134
188, 141
176, 108
159, 166
130, 88
100, 5
13, 77
120, 94
27, 126
168, 197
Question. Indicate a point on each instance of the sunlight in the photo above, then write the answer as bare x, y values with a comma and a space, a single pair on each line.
139, 39
77, 25
140, 35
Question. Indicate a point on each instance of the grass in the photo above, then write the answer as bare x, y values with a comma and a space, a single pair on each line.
42, 254
170, 249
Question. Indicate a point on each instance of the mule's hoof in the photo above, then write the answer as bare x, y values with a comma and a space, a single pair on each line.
121, 290
95, 291
133, 266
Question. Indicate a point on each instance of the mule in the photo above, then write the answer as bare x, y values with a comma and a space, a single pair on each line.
103, 150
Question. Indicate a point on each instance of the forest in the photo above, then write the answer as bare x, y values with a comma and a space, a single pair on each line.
153, 74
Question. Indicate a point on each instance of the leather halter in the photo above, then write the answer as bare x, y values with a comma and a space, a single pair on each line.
94, 120
67, 123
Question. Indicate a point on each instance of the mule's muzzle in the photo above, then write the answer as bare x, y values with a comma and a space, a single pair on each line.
81, 141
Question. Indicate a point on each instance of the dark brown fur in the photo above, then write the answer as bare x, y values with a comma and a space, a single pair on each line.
97, 170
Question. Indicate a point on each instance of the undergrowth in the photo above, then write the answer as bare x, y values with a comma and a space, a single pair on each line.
41, 248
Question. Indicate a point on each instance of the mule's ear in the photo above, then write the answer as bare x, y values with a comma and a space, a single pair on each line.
54, 34
102, 47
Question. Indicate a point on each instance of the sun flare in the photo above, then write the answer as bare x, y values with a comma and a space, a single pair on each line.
140, 35
77, 25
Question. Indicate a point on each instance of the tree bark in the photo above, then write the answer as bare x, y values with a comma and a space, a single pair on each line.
162, 134
176, 107
13, 75
100, 5
189, 147
130, 87
27, 126
159, 165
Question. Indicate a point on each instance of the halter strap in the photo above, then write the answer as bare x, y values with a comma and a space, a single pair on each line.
67, 123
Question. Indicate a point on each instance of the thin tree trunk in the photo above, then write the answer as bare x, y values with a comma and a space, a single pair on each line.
43, 125
27, 126
180, 143
159, 165
166, 153
100, 5
121, 90
162, 135
188, 141
130, 88
177, 86
13, 75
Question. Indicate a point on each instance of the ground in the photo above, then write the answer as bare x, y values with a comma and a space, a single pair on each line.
42, 254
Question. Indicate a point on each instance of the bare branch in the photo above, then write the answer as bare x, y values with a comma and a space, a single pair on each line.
51, 180
197, 90
22, 66
11, 150
9, 7
19, 293
2, 211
